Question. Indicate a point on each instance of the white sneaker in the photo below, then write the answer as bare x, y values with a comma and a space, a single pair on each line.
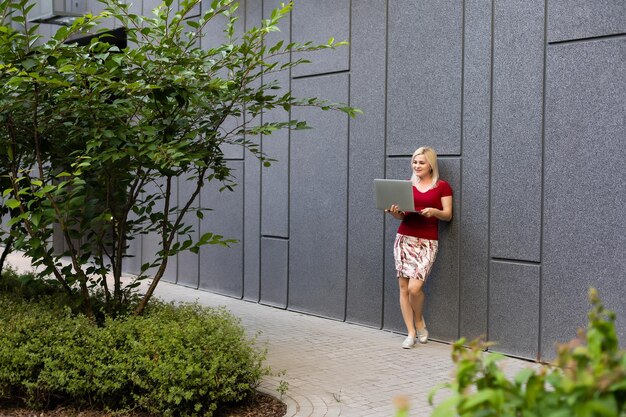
408, 343
422, 335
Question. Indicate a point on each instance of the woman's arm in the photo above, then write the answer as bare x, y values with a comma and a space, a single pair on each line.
445, 214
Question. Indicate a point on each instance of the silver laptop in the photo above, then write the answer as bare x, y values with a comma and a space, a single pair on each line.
390, 192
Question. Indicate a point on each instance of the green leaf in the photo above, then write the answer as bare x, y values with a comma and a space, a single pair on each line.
446, 408
480, 397
12, 203
606, 407
522, 376
36, 218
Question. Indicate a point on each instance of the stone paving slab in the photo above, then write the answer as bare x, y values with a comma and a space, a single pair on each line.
332, 368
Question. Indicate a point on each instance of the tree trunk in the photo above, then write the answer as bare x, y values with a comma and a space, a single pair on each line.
155, 281
7, 249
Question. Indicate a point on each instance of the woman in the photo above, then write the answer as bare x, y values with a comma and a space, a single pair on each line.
416, 242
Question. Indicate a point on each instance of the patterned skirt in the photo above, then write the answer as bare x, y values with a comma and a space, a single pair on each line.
414, 256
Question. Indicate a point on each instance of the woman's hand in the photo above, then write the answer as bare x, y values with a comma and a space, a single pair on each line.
395, 212
445, 214
428, 212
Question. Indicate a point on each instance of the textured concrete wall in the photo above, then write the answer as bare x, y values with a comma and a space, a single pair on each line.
524, 102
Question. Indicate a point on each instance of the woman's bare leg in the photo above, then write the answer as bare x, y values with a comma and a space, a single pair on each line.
416, 297
405, 305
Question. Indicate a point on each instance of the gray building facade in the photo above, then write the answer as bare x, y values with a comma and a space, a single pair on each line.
524, 102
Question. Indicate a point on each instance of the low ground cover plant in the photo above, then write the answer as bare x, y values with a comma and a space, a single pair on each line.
172, 361
588, 378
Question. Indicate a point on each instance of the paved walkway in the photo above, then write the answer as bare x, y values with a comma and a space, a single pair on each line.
332, 368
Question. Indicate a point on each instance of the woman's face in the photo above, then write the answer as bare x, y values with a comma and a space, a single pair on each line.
421, 167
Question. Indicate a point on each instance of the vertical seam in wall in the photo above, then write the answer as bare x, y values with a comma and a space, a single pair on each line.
493, 18
260, 261
347, 240
543, 171
460, 201
199, 223
243, 211
462, 75
177, 205
289, 173
243, 231
384, 237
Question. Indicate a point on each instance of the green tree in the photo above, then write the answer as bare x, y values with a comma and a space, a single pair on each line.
102, 124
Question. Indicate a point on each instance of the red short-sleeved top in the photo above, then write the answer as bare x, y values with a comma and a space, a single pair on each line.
414, 224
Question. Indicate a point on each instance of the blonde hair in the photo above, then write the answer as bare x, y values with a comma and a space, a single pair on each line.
431, 157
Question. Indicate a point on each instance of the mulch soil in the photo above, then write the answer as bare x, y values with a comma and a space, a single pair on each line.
257, 405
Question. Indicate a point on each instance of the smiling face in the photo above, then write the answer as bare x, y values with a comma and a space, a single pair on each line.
421, 167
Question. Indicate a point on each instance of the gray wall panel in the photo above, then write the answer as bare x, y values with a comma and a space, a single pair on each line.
318, 207
585, 149
252, 230
392, 317
252, 194
516, 141
424, 81
232, 151
215, 36
317, 21
221, 268
197, 8
149, 5
95, 7
151, 242
474, 232
441, 308
275, 185
576, 19
275, 180
274, 271
46, 31
132, 263
188, 262
366, 162
514, 309
172, 262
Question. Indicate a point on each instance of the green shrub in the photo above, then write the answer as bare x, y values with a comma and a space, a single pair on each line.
173, 361
30, 287
588, 378
26, 285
